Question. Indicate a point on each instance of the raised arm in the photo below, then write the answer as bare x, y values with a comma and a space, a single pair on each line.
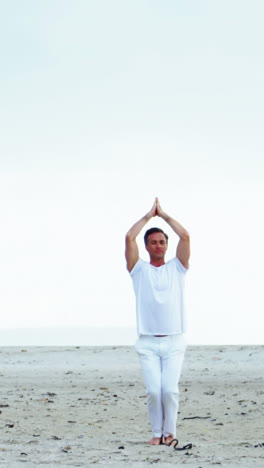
131, 252
183, 247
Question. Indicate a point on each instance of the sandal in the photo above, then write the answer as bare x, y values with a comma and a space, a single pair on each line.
185, 447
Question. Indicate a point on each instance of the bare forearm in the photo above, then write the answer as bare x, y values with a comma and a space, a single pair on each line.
131, 252
175, 225
183, 247
137, 227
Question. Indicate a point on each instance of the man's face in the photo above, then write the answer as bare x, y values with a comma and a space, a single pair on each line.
156, 245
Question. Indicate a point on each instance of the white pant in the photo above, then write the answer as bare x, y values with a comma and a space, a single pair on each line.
161, 360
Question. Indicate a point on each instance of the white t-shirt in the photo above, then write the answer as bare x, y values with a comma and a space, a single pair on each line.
159, 297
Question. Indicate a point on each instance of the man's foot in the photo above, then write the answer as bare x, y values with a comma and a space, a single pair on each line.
171, 441
155, 441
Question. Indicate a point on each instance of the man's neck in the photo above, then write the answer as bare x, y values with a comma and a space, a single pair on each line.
157, 263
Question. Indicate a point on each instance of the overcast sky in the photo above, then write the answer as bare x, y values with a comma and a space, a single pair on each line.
105, 105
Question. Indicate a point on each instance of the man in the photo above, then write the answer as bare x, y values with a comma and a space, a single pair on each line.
161, 344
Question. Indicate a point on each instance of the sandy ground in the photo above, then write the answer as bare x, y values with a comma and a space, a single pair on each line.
86, 406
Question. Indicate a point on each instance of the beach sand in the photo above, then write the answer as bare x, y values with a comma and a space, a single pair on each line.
86, 406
